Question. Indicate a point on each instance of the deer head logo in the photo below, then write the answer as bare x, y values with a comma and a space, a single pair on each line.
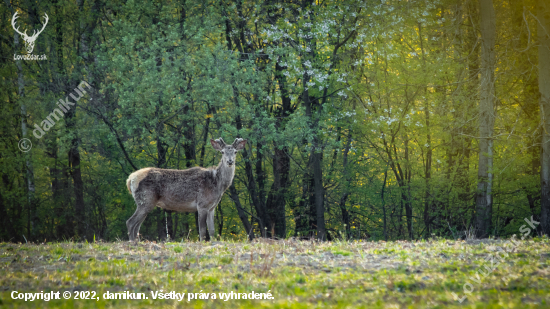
29, 40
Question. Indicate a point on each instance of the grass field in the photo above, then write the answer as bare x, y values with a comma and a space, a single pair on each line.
297, 274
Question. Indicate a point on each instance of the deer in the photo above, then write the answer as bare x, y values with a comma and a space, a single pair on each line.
195, 189
29, 40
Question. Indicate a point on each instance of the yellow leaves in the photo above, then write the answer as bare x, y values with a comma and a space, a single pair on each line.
153, 143
208, 116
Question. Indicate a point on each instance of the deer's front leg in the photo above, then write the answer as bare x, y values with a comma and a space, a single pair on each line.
203, 214
210, 221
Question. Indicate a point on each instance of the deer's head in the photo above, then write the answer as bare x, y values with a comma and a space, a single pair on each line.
29, 40
229, 152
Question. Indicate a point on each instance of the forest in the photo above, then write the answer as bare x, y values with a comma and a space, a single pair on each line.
373, 119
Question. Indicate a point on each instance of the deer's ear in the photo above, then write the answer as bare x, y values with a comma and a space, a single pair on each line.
239, 144
216, 145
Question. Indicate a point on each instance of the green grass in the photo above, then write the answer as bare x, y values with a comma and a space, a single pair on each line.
299, 274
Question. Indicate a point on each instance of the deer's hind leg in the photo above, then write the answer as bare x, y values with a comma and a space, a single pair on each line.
145, 202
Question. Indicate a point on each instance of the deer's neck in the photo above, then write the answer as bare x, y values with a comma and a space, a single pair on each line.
225, 174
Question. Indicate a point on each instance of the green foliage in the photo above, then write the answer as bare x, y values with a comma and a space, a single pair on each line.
385, 93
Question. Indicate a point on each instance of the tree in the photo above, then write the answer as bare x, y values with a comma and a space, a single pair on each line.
543, 31
484, 198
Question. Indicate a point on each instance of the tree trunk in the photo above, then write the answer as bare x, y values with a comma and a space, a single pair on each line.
31, 226
162, 223
316, 154
75, 172
190, 153
219, 219
403, 176
281, 162
384, 204
259, 204
427, 172
244, 219
313, 112
6, 221
264, 220
465, 129
484, 200
189, 134
60, 193
169, 229
302, 211
205, 136
319, 193
429, 152
345, 190
276, 198
406, 191
544, 89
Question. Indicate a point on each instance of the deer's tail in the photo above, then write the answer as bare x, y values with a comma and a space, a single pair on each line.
133, 180
128, 181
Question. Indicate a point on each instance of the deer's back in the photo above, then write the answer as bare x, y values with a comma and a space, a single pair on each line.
180, 190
